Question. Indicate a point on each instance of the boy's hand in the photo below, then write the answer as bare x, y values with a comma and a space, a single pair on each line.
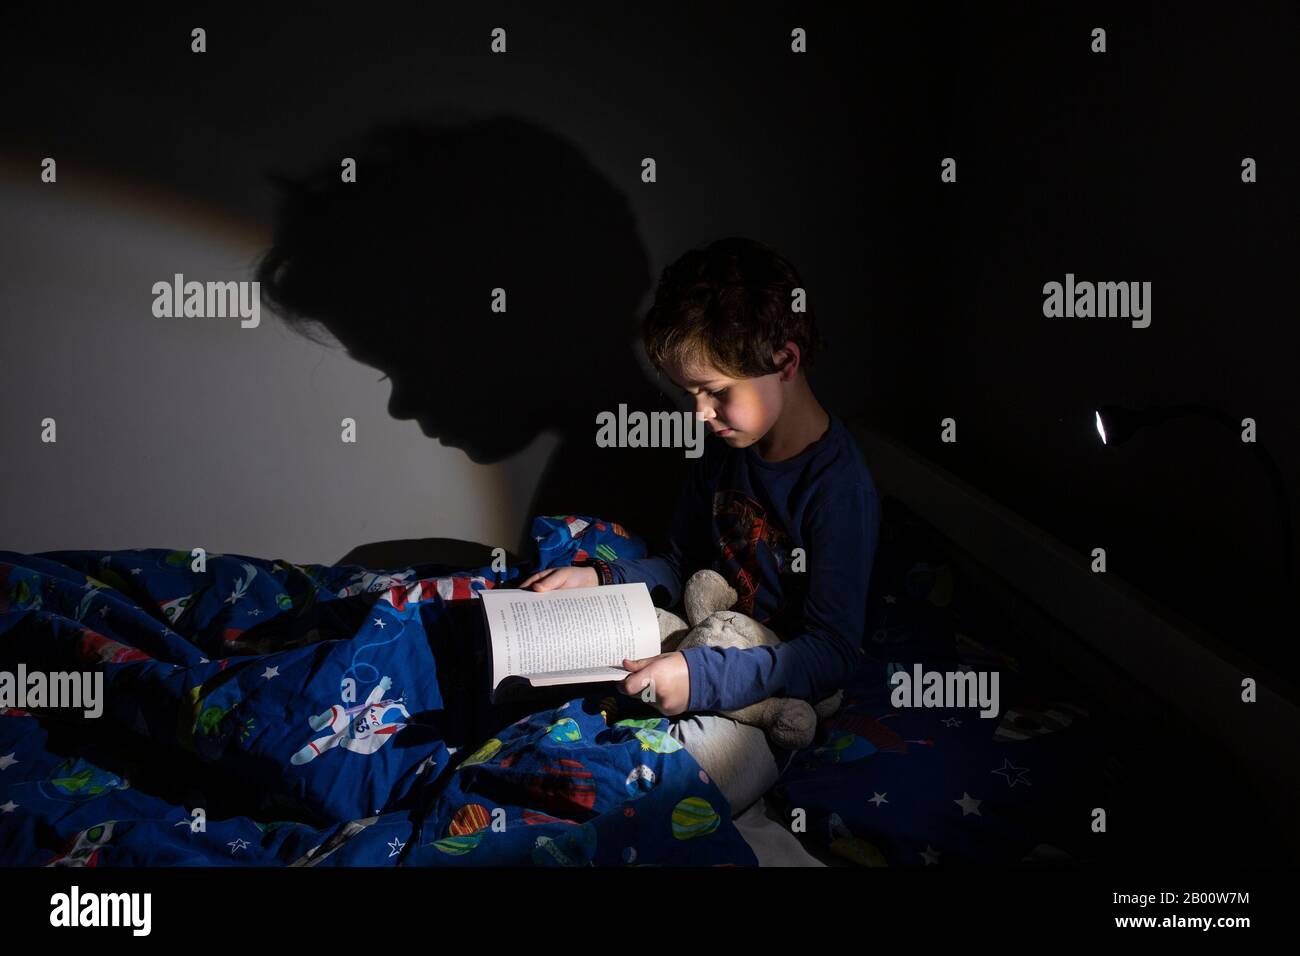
553, 578
668, 677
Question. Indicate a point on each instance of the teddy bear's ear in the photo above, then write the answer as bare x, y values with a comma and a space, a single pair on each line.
707, 592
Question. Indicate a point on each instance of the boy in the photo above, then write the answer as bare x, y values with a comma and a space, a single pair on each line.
784, 475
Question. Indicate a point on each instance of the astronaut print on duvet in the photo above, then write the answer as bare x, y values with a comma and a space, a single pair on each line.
259, 712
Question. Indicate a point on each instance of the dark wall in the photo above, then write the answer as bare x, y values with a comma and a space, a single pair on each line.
1122, 166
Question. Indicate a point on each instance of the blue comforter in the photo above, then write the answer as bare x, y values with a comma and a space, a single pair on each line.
259, 712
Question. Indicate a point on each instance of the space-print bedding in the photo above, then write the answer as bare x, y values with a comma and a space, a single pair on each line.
259, 712
933, 786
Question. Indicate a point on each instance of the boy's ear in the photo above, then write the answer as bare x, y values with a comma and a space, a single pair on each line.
787, 358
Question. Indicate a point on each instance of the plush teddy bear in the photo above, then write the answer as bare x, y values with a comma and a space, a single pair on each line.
790, 723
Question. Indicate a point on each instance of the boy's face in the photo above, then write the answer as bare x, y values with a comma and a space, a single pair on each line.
740, 411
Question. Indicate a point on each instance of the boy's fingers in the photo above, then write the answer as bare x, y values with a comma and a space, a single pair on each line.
634, 683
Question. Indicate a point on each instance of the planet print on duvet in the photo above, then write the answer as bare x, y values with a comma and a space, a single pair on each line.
460, 845
562, 788
483, 754
78, 780
565, 731
694, 817
470, 818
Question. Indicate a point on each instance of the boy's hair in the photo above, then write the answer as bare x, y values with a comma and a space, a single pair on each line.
728, 306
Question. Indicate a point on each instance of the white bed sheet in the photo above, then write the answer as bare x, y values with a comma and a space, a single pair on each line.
771, 840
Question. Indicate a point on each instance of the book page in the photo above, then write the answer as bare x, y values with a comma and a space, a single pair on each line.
586, 676
570, 629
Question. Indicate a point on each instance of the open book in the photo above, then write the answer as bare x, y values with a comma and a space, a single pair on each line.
567, 636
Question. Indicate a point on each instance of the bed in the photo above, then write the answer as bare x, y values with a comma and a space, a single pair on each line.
261, 712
